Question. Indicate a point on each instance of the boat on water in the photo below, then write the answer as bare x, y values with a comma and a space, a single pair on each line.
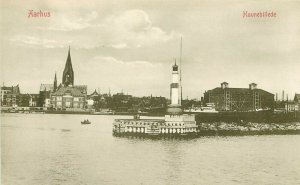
103, 113
200, 110
209, 108
85, 122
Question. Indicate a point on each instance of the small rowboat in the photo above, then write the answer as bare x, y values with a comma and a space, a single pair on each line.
85, 122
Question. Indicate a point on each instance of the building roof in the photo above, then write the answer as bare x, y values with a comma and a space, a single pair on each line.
253, 83
73, 91
6, 88
12, 89
235, 90
297, 98
95, 93
82, 88
47, 87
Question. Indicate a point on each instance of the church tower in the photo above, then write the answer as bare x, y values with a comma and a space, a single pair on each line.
55, 83
68, 75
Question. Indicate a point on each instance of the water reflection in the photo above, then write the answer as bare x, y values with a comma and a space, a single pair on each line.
65, 130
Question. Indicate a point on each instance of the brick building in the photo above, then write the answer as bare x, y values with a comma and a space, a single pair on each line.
10, 96
225, 98
68, 96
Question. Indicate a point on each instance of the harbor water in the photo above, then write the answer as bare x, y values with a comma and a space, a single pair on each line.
57, 149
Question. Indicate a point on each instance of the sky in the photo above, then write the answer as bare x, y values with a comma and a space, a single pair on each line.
130, 46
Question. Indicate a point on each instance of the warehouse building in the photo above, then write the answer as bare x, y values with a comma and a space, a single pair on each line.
225, 98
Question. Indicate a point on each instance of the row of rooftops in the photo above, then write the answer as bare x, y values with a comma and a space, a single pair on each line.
78, 90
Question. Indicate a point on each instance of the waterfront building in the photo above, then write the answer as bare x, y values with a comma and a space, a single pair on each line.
24, 100
225, 98
10, 96
121, 102
297, 98
68, 96
33, 101
92, 100
44, 95
291, 106
297, 102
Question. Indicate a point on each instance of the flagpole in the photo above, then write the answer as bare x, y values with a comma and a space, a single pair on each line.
180, 70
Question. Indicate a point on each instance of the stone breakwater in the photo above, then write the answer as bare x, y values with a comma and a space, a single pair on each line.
222, 128
228, 129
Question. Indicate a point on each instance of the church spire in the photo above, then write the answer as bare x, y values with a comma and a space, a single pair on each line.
55, 83
68, 75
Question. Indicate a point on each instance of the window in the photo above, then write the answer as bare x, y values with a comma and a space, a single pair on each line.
75, 105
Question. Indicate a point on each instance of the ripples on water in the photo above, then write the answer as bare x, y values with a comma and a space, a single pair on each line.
57, 149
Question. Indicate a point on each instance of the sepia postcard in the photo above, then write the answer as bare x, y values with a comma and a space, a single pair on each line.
164, 92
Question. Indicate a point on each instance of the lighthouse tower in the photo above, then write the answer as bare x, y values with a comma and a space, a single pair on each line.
175, 87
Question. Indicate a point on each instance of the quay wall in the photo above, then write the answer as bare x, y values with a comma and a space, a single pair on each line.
209, 133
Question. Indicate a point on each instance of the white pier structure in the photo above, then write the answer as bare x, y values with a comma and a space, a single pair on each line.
174, 123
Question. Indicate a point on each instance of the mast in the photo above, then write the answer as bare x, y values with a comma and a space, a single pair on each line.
180, 75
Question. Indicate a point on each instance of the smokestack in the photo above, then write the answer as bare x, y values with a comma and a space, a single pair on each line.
276, 97
283, 95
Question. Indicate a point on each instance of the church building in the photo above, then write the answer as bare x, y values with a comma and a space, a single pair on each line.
68, 96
